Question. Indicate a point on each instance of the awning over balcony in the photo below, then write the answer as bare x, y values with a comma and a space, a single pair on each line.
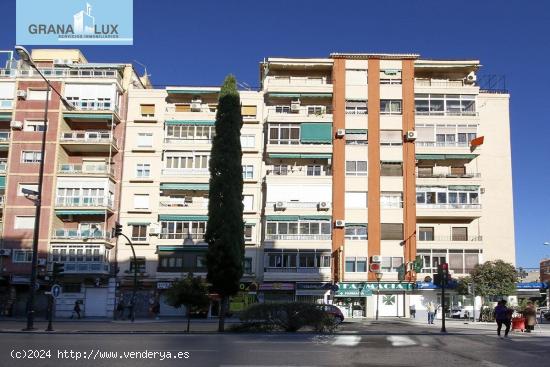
356, 131
2, 182
301, 95
182, 218
80, 212
295, 218
5, 116
86, 117
184, 186
303, 156
442, 157
356, 224
139, 223
190, 122
316, 133
194, 248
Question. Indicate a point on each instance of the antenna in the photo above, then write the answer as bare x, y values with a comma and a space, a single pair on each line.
144, 68
244, 85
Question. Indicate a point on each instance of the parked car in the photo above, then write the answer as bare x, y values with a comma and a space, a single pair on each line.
463, 312
334, 311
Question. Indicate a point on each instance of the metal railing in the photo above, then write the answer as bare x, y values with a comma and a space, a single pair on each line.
204, 108
94, 105
297, 204
299, 237
451, 238
74, 234
4, 136
62, 73
298, 80
173, 140
442, 144
296, 270
83, 201
182, 203
86, 267
301, 111
302, 172
85, 169
438, 83
199, 237
446, 113
448, 206
185, 171
92, 137
449, 175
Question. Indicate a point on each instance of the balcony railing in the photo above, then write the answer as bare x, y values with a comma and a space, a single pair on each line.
89, 137
297, 204
86, 267
298, 80
448, 175
185, 171
451, 238
198, 237
296, 172
72, 72
3, 165
446, 113
174, 140
438, 83
82, 201
299, 237
296, 270
204, 108
442, 144
94, 105
6, 104
301, 111
74, 234
182, 203
4, 136
85, 169
448, 206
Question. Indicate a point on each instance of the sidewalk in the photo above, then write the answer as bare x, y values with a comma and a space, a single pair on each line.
469, 324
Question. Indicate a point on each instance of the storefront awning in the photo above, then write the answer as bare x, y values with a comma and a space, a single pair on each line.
184, 186
138, 223
190, 122
356, 131
182, 218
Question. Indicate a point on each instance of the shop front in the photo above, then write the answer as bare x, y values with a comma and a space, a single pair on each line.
276, 292
313, 292
247, 295
351, 298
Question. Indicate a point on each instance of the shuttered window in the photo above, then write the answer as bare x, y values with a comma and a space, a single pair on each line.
392, 231
460, 234
147, 110
183, 108
249, 111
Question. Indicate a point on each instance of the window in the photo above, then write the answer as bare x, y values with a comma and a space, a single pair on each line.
361, 265
22, 256
391, 200
426, 233
147, 110
316, 110
248, 203
350, 265
357, 200
139, 232
445, 104
180, 229
248, 232
33, 125
31, 156
356, 168
145, 140
425, 171
282, 109
390, 76
21, 186
391, 168
356, 76
141, 265
391, 137
314, 170
280, 169
24, 222
247, 265
301, 229
190, 132
141, 201
284, 134
36, 95
187, 161
143, 170
248, 141
248, 111
248, 172
306, 260
356, 232
392, 231
460, 234
391, 264
356, 137
356, 107
390, 107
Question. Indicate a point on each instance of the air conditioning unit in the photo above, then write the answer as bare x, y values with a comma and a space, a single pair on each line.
340, 133
61, 62
280, 205
411, 135
16, 125
339, 223
323, 205
154, 229
5, 251
295, 106
471, 78
376, 259
21, 94
196, 104
41, 262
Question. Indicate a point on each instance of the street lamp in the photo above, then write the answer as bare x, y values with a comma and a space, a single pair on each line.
378, 278
27, 59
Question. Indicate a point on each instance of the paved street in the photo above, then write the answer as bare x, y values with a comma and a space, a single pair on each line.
367, 343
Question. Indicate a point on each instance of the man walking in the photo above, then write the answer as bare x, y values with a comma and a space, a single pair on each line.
502, 316
431, 312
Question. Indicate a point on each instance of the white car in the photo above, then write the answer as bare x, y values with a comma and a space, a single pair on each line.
463, 312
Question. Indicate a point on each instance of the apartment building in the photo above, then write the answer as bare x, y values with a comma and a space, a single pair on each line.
165, 182
82, 176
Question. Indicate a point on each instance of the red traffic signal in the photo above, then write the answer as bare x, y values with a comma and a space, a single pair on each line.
445, 267
374, 267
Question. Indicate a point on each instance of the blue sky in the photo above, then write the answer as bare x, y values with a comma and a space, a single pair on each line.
198, 42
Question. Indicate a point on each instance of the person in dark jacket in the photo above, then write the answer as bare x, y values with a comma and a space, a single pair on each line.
76, 309
503, 316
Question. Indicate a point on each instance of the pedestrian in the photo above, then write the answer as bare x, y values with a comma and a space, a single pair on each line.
120, 309
503, 316
76, 309
412, 310
431, 312
530, 314
156, 309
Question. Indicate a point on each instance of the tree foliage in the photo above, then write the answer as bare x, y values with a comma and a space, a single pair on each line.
225, 230
191, 292
494, 279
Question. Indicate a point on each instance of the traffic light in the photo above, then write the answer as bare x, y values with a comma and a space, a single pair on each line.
58, 268
374, 267
118, 229
443, 275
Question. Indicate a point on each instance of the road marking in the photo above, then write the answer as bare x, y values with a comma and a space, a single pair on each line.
401, 341
347, 340
491, 364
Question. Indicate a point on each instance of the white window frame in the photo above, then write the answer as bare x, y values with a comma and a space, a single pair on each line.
248, 171
142, 168
27, 255
248, 141
34, 125
142, 201
144, 140
24, 222
36, 156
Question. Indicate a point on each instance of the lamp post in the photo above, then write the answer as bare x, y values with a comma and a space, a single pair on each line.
378, 278
27, 59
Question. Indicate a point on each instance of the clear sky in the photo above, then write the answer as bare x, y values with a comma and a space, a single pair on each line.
199, 42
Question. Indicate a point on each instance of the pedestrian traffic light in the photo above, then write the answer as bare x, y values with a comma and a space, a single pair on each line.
58, 268
443, 275
118, 229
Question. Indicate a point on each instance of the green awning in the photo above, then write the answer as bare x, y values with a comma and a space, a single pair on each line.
184, 186
2, 182
249, 223
282, 218
316, 132
356, 224
88, 116
183, 218
305, 155
80, 212
284, 155
192, 91
315, 217
464, 187
301, 95
190, 122
5, 116
139, 223
313, 155
194, 248
356, 131
441, 157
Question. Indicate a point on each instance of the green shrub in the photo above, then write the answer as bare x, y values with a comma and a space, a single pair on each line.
288, 316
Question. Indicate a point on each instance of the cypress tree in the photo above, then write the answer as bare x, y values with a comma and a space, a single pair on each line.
225, 229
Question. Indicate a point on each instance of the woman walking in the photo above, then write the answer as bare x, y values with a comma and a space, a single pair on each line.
530, 314
503, 316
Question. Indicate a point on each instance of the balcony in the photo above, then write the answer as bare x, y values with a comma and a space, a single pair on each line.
299, 171
185, 172
86, 170
440, 83
314, 84
456, 238
89, 142
296, 273
77, 235
94, 105
83, 201
199, 203
86, 267
285, 113
298, 237
446, 113
454, 210
73, 72
298, 204
3, 166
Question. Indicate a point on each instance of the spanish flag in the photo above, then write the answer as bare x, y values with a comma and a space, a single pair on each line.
477, 141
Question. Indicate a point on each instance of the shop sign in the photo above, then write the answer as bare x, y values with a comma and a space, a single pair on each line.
353, 290
164, 285
277, 287
250, 287
390, 286
431, 285
314, 286
531, 285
